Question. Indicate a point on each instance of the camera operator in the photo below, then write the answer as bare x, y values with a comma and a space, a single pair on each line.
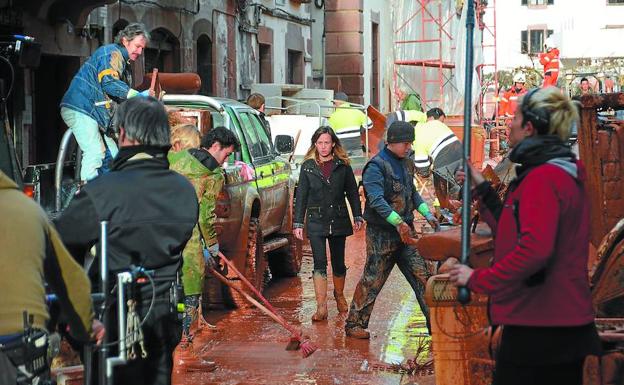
32, 250
151, 212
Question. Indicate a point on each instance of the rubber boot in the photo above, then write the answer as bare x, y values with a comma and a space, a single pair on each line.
185, 359
341, 301
320, 290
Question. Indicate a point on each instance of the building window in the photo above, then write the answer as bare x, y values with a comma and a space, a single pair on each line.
609, 2
295, 67
266, 63
537, 2
532, 41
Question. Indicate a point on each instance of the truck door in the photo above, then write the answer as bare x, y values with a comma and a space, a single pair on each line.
271, 173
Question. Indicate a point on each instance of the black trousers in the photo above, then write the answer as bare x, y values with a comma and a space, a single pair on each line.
545, 355
162, 332
318, 244
569, 373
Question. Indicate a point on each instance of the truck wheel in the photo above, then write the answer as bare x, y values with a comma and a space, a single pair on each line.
256, 268
256, 264
286, 261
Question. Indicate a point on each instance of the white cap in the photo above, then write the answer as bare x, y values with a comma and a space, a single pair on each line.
519, 78
549, 42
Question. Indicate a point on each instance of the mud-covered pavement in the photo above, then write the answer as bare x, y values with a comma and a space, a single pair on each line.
249, 348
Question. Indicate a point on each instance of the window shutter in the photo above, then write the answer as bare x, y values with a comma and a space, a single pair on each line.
524, 42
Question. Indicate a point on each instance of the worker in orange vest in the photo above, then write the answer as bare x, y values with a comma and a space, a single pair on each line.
550, 61
509, 101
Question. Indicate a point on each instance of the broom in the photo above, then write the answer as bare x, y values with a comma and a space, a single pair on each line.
296, 341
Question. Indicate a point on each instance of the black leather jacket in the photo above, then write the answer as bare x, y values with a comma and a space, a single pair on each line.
151, 212
322, 201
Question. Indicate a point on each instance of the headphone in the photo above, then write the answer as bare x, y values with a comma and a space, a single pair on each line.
538, 116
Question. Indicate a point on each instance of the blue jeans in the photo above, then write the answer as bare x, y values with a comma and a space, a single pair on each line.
96, 154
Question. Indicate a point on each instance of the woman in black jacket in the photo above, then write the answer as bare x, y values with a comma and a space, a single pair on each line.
325, 179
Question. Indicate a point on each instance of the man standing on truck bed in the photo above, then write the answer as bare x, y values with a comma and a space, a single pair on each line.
202, 167
88, 104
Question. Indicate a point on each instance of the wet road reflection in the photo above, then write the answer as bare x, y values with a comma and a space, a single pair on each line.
249, 348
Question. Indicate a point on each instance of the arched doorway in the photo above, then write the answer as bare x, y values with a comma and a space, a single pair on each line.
162, 52
118, 26
205, 64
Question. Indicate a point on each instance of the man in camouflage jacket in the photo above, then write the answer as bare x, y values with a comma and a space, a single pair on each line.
202, 167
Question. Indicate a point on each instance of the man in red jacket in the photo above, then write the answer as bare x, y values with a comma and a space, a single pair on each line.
550, 61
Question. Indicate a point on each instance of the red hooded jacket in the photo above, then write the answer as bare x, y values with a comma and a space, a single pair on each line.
539, 273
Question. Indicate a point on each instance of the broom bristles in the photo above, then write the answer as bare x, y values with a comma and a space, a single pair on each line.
307, 348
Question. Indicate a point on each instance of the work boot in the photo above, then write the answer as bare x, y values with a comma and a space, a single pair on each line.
185, 359
320, 290
341, 301
357, 332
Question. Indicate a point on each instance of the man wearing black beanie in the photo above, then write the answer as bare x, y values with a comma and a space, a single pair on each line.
391, 199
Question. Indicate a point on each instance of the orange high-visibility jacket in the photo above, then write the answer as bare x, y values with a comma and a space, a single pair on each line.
509, 101
550, 60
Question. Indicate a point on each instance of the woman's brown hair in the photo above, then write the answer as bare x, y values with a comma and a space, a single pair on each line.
338, 151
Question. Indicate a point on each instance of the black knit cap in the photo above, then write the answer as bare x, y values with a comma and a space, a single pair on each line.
400, 132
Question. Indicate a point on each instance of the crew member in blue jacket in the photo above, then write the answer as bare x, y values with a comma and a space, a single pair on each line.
101, 82
391, 199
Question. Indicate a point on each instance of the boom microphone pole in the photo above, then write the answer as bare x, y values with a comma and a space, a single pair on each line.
463, 294
102, 375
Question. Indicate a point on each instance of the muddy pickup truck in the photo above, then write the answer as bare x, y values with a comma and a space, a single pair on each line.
254, 209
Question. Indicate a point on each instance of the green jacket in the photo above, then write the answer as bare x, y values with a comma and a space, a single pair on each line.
207, 185
32, 250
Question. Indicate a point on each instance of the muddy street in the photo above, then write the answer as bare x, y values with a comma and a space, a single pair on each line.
249, 348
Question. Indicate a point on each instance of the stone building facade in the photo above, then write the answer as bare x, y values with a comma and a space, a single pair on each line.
231, 44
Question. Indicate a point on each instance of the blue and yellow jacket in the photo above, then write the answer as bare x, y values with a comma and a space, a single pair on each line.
391, 196
97, 81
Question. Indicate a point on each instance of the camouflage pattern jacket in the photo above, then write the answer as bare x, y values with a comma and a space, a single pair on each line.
208, 184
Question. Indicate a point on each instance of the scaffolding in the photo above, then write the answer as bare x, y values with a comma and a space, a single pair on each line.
423, 43
487, 71
429, 53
